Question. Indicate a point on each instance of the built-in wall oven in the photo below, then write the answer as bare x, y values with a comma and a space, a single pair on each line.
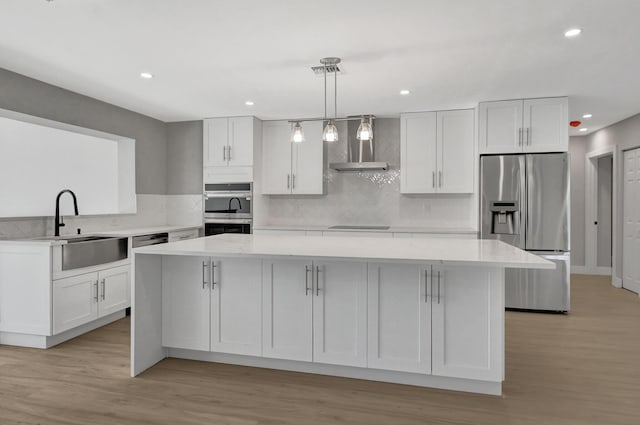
227, 208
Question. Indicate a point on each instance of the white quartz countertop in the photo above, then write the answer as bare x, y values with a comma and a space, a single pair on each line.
444, 251
391, 229
50, 241
144, 230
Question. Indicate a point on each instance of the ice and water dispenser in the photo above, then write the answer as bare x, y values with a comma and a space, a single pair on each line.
505, 219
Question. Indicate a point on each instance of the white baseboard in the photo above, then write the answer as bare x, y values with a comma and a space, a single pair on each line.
616, 281
600, 271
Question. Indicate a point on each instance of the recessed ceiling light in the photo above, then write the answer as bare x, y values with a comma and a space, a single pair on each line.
404, 92
587, 116
249, 103
573, 32
584, 129
146, 75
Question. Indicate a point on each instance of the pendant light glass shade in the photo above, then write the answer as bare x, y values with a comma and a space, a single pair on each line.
330, 133
365, 131
297, 134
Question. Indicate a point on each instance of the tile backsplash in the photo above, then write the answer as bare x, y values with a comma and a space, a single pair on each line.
366, 198
153, 210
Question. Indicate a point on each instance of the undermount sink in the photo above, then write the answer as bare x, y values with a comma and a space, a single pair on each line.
347, 227
84, 251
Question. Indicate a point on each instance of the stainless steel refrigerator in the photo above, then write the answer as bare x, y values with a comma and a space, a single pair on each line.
525, 202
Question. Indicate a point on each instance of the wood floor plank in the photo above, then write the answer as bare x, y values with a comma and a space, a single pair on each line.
576, 369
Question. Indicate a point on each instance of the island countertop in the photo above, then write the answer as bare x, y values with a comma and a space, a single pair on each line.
476, 252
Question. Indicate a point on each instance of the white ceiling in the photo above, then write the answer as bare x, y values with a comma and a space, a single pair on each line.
208, 57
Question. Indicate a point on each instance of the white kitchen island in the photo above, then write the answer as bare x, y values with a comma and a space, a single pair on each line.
425, 312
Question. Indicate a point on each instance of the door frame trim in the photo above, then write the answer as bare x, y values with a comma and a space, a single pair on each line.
591, 211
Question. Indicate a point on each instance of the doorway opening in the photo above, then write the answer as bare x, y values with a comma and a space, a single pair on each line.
600, 213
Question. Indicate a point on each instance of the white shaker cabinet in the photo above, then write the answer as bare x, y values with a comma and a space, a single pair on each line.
292, 168
80, 299
228, 149
466, 311
418, 153
437, 152
287, 309
529, 125
399, 318
185, 302
75, 301
236, 306
340, 313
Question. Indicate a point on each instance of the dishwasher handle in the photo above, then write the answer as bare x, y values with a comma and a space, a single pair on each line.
146, 240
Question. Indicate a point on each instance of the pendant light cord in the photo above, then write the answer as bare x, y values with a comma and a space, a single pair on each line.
325, 91
335, 93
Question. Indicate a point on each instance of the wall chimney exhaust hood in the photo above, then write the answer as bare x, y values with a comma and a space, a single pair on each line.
360, 153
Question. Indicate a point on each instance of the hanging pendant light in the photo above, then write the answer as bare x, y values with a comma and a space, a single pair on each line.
365, 131
297, 135
330, 133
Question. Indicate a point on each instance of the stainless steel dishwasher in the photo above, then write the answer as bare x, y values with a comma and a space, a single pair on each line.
151, 239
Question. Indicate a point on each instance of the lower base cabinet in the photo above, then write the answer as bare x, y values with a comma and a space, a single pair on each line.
467, 313
399, 317
287, 310
315, 311
80, 299
236, 301
411, 318
210, 304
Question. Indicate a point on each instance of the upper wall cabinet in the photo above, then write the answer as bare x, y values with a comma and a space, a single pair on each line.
228, 149
529, 125
437, 152
39, 158
292, 168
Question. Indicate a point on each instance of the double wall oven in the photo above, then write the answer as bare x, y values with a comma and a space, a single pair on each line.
227, 208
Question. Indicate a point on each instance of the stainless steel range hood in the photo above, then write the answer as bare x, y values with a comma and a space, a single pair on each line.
360, 154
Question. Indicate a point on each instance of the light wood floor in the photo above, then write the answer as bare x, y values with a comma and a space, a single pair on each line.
583, 368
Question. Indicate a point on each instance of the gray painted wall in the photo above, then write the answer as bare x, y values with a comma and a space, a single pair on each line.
184, 158
577, 151
605, 166
625, 135
33, 97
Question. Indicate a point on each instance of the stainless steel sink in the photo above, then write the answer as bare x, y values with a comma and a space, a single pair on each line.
85, 251
347, 227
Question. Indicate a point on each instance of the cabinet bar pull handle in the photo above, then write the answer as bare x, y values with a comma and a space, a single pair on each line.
519, 137
426, 292
104, 289
229, 152
224, 153
204, 281
306, 280
529, 136
317, 281
293, 181
433, 179
438, 286
213, 275
440, 178
288, 181
96, 297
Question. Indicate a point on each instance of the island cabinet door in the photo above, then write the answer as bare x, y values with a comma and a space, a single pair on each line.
287, 296
185, 302
236, 306
340, 313
468, 331
399, 318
